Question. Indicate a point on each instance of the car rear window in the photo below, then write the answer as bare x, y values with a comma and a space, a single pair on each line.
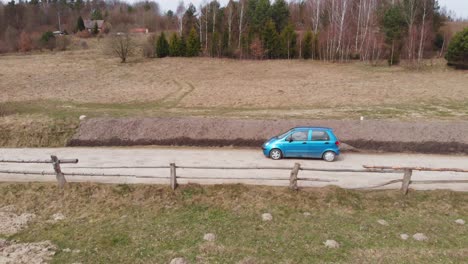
320, 136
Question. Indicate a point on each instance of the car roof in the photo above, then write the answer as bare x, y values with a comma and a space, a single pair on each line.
311, 127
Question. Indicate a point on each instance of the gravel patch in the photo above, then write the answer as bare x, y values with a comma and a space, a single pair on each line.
11, 223
27, 253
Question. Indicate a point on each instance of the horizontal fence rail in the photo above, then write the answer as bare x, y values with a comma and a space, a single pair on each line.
293, 177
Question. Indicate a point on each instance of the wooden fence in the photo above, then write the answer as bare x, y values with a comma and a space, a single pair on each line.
293, 175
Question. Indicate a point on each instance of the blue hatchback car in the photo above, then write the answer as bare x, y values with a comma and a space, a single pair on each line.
303, 142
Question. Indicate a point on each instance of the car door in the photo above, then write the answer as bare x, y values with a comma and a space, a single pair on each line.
319, 141
295, 144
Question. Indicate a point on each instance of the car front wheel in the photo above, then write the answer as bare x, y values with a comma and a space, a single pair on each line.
329, 156
276, 154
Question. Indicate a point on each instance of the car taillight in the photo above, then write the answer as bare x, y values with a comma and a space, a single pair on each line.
337, 143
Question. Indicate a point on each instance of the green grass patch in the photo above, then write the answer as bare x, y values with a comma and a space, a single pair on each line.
152, 224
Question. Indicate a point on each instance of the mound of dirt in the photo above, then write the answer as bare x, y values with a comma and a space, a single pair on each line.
377, 135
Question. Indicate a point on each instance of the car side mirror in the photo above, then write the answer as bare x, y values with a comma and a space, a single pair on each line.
290, 140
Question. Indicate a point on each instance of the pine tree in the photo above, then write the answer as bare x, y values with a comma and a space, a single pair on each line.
307, 46
270, 39
193, 44
280, 14
162, 47
174, 46
182, 46
96, 14
288, 41
393, 24
457, 52
80, 24
95, 29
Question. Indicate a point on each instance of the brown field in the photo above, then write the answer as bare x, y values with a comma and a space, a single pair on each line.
91, 77
50, 90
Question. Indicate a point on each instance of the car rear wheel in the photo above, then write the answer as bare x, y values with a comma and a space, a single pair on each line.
276, 154
329, 156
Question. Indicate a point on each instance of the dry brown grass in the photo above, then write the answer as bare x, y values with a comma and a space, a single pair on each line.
89, 76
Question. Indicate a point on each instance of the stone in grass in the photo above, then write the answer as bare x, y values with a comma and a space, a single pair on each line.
82, 117
307, 214
331, 244
404, 236
420, 237
267, 217
460, 221
382, 222
58, 217
179, 261
209, 237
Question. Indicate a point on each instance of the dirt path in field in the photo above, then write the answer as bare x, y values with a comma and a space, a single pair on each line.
439, 137
92, 157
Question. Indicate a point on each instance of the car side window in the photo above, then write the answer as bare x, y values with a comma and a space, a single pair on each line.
320, 136
298, 136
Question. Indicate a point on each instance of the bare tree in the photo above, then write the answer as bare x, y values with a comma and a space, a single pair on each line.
122, 46
180, 16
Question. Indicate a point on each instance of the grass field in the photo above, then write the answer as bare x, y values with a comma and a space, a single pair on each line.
61, 86
152, 224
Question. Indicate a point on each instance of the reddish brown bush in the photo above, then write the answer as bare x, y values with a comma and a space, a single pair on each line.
256, 49
25, 42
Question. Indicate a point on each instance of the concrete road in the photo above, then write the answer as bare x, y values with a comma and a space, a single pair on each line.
91, 157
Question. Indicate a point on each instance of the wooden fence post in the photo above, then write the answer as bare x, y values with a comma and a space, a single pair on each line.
58, 172
173, 176
293, 177
406, 181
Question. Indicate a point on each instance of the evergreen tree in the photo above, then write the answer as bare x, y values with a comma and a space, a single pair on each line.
174, 46
193, 44
96, 14
288, 41
307, 46
457, 52
258, 13
95, 29
162, 47
80, 24
182, 46
393, 25
280, 14
270, 39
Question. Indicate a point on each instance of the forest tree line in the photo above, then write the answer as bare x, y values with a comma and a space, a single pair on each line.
331, 30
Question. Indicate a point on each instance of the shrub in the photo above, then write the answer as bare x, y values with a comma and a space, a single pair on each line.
62, 42
457, 52
48, 40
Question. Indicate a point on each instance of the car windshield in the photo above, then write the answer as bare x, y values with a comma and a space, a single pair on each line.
284, 134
